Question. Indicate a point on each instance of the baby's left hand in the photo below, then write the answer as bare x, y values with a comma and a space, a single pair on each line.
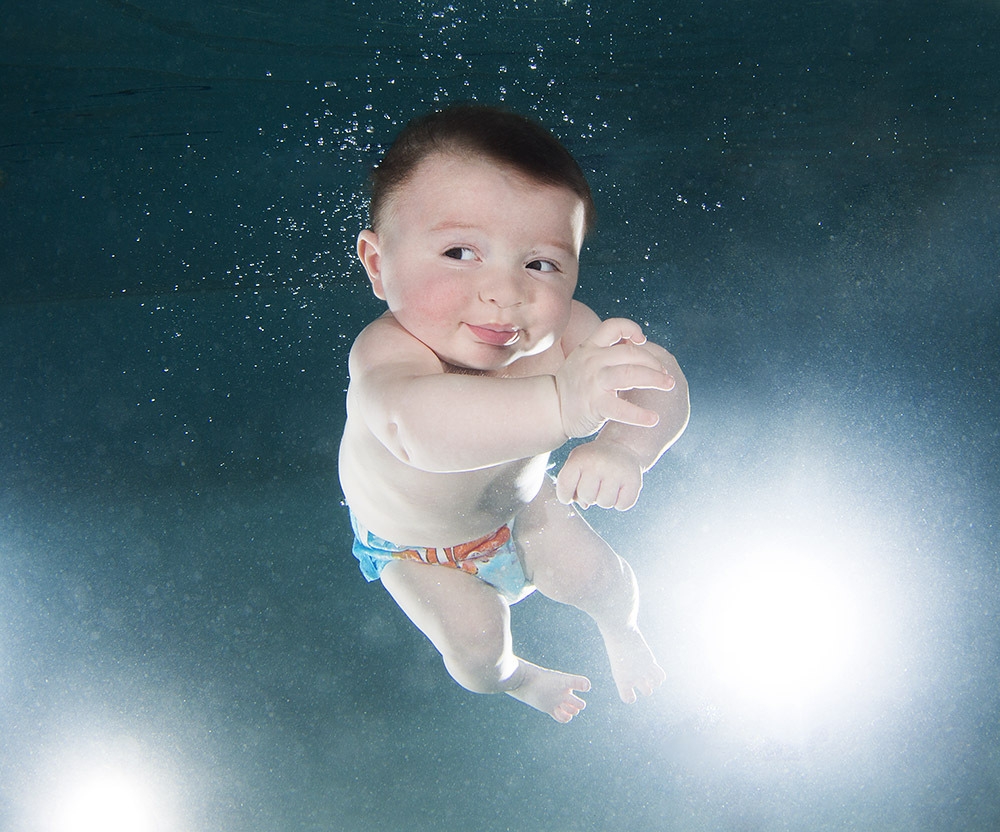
602, 473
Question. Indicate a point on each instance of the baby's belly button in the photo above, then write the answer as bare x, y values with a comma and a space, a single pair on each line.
489, 503
496, 495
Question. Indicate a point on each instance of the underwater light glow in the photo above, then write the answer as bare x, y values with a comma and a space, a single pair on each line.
107, 799
782, 629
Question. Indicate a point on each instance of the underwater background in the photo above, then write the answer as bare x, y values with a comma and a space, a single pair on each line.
800, 200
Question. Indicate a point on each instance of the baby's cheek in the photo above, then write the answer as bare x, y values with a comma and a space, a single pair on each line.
561, 311
444, 298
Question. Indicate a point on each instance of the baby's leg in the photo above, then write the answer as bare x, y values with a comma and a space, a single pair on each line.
569, 562
468, 622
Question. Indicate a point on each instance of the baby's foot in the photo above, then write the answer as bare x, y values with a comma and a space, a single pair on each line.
550, 691
632, 663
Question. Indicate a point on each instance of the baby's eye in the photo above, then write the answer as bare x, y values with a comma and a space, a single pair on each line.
542, 266
460, 253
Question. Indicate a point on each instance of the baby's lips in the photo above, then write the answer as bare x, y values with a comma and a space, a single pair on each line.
495, 335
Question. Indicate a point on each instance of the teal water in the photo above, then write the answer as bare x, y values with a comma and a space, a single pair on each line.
799, 200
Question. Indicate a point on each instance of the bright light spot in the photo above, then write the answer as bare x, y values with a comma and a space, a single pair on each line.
105, 798
107, 801
785, 617
781, 629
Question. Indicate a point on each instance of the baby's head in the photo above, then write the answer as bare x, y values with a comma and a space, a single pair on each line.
482, 132
478, 216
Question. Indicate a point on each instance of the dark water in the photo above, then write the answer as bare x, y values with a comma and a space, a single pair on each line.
799, 199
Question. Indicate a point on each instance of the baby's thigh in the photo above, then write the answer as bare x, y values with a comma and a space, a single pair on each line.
556, 543
456, 611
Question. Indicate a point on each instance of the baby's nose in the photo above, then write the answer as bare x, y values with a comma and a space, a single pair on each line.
503, 290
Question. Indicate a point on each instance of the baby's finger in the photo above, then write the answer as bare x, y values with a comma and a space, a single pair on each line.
627, 497
626, 352
628, 413
587, 491
566, 483
634, 377
614, 330
607, 497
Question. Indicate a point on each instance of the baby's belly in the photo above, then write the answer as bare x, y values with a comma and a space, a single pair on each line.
410, 507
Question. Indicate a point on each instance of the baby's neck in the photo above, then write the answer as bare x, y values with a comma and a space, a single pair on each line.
470, 371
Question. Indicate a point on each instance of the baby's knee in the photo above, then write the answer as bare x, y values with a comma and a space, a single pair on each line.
482, 663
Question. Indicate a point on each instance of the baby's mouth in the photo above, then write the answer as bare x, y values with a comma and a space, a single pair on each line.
498, 336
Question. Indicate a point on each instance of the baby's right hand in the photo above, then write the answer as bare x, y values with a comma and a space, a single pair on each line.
611, 359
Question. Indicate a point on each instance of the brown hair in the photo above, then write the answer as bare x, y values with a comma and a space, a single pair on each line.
500, 135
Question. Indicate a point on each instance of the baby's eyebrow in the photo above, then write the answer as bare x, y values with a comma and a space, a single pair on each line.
448, 225
562, 246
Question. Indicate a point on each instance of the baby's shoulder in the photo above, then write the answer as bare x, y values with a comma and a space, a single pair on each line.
385, 342
582, 322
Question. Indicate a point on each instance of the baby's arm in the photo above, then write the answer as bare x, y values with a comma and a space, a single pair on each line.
439, 421
608, 471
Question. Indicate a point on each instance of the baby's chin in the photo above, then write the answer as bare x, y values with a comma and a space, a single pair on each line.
495, 359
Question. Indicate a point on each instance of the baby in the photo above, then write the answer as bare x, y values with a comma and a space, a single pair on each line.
482, 365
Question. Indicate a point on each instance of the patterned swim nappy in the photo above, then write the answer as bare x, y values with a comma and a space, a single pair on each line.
493, 559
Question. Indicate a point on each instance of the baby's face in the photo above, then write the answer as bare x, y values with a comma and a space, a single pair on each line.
477, 261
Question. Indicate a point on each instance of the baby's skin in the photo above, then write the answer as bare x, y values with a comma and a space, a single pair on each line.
483, 365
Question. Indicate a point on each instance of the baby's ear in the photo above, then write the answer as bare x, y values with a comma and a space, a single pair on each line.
368, 253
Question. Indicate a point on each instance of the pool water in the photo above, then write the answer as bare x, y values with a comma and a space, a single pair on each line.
798, 200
